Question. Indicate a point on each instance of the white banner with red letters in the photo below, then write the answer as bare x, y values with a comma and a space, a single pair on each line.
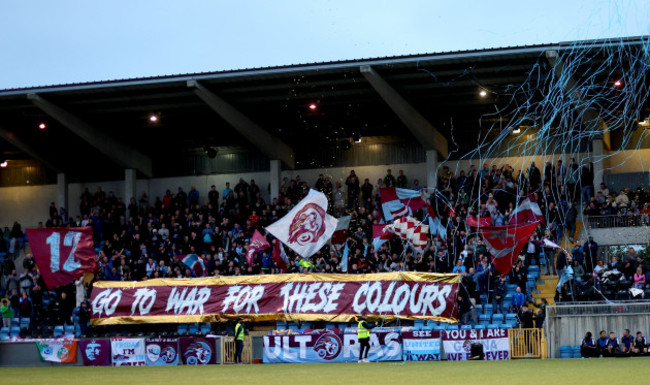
457, 344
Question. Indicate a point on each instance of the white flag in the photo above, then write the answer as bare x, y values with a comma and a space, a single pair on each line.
307, 227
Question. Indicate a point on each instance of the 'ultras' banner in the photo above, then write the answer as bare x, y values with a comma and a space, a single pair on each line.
458, 343
291, 297
421, 345
330, 347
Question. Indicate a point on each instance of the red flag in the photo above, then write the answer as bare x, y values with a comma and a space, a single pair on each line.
480, 222
63, 254
399, 202
257, 244
279, 256
505, 243
342, 231
526, 212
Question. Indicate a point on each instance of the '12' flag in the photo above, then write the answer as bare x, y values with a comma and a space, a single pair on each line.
63, 254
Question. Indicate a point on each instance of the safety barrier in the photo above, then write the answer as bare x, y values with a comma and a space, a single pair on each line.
229, 349
527, 343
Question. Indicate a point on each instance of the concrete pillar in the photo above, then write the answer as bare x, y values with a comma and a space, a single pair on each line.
61, 191
597, 159
275, 178
432, 168
129, 185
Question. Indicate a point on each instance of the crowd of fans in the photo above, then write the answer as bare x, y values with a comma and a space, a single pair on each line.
141, 239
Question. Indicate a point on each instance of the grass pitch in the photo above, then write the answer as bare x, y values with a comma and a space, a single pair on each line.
538, 372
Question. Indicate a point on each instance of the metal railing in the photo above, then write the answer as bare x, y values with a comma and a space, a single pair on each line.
527, 343
607, 221
598, 308
229, 350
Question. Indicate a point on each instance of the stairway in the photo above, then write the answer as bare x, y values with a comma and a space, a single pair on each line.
546, 284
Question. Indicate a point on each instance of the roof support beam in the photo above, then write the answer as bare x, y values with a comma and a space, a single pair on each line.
122, 154
270, 145
24, 147
423, 131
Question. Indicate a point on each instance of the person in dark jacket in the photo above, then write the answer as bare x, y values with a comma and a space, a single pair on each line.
588, 346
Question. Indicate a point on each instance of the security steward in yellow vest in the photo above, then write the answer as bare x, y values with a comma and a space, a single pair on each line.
239, 340
363, 334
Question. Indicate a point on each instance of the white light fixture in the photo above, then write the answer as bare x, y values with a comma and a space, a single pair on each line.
483, 93
516, 130
645, 123
42, 126
153, 118
3, 164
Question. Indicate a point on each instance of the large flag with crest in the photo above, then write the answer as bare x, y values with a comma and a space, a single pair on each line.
505, 243
307, 227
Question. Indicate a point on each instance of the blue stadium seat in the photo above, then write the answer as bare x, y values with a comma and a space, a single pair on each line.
4, 333
24, 323
418, 324
69, 329
193, 328
453, 327
493, 326
479, 309
182, 329
576, 351
488, 309
566, 351
293, 325
512, 287
466, 327
505, 326
58, 331
305, 325
439, 327
479, 327
484, 319
533, 268
15, 322
511, 316
498, 318
205, 329
484, 299
281, 325
330, 325
15, 331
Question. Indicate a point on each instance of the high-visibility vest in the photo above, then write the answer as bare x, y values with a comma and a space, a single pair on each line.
362, 332
239, 332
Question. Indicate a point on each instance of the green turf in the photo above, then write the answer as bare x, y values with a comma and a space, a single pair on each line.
582, 371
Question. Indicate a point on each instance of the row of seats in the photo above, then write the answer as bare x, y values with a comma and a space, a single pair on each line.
194, 329
567, 351
421, 325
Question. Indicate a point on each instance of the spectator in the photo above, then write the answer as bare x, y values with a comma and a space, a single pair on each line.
518, 299
640, 345
613, 345
213, 196
603, 344
588, 347
627, 342
389, 179
402, 180
500, 294
639, 278
7, 313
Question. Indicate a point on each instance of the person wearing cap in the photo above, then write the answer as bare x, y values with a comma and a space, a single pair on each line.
239, 339
363, 333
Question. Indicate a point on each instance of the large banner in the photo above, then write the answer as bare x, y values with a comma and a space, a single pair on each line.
458, 344
291, 297
198, 350
95, 352
330, 347
161, 351
57, 350
127, 352
62, 254
422, 345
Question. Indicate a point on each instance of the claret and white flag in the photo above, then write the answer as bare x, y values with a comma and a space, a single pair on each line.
307, 227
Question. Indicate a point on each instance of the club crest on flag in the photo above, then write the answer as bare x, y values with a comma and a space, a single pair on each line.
308, 225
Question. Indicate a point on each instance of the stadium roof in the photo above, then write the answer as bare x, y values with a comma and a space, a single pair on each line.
442, 87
